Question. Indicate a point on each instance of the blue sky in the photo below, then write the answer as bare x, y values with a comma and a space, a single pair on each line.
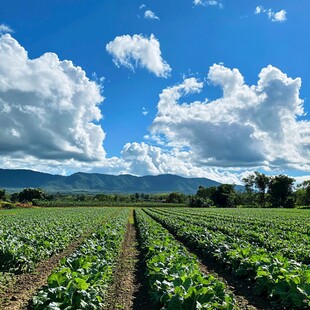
196, 88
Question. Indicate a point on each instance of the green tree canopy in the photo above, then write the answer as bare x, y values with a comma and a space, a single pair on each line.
29, 194
176, 197
302, 194
281, 191
2, 194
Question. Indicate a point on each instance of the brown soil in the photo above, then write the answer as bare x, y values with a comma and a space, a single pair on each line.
128, 290
241, 288
18, 294
244, 299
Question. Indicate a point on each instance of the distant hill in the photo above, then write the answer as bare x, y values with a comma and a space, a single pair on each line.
95, 182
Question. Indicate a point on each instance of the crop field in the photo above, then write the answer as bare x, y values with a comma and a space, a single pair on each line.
154, 258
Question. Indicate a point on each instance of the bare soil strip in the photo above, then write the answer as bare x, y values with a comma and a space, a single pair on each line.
25, 285
19, 293
242, 301
128, 290
241, 288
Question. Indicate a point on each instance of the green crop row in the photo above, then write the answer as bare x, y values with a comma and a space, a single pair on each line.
270, 238
289, 220
29, 236
284, 281
174, 278
81, 280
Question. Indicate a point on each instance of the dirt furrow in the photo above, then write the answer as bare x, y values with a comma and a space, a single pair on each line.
241, 288
244, 303
18, 294
128, 290
25, 285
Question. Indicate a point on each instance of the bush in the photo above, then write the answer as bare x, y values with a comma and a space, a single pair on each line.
198, 202
8, 206
2, 194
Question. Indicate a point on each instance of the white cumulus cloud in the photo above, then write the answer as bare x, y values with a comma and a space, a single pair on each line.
49, 111
144, 159
148, 14
137, 50
279, 16
48, 107
249, 127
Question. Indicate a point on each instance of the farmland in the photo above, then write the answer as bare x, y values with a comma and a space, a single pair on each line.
154, 258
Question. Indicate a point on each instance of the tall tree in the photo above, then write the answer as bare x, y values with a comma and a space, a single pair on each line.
261, 183
249, 183
306, 185
303, 193
249, 195
29, 194
176, 197
281, 191
224, 196
206, 192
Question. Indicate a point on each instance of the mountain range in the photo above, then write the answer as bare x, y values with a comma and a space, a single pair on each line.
14, 180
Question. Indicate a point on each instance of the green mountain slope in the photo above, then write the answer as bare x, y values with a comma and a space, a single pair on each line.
95, 182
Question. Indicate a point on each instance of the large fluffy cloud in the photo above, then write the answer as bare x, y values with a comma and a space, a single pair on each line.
47, 107
112, 165
49, 110
250, 126
144, 159
137, 50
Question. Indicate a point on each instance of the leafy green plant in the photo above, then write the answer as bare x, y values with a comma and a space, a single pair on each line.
36, 234
174, 277
284, 281
81, 280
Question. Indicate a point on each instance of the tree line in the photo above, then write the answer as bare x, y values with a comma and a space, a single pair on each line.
260, 190
37, 196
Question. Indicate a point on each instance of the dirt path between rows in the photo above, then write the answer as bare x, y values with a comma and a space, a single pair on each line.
18, 294
243, 302
128, 290
241, 288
